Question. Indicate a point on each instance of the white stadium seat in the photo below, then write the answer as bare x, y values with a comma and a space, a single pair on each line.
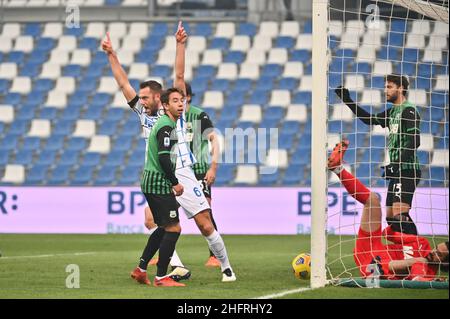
420, 27
211, 57
196, 43
84, 128
59, 57
56, 99
228, 71
193, 60
81, 57
418, 97
166, 57
249, 71
24, 43
21, 84
415, 41
213, 99
107, 85
304, 41
440, 28
290, 29
293, 70
255, 56
268, 29
131, 43
225, 30
65, 84
440, 158
246, 174
335, 28
371, 97
10, 30
125, 57
262, 43
67, 43
297, 112
53, 30
6, 113
426, 142
441, 83
251, 113
332, 140
120, 101
355, 27
40, 128
240, 43
277, 158
354, 82
437, 42
366, 54
96, 30
382, 68
349, 41
14, 173
50, 71
280, 98
138, 71
306, 83
8, 70
117, 29
100, 144
432, 55
6, 44
278, 56
139, 29
341, 112
378, 130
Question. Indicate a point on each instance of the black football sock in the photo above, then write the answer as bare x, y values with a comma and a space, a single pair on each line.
166, 250
153, 243
211, 254
402, 223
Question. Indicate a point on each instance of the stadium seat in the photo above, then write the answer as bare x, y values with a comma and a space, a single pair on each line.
100, 144
14, 174
246, 175
36, 175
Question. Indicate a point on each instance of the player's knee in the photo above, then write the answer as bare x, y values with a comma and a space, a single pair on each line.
173, 228
374, 200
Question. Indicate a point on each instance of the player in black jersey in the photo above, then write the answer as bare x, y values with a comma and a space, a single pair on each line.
403, 172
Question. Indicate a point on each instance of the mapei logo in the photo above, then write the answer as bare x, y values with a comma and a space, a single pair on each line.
173, 214
8, 203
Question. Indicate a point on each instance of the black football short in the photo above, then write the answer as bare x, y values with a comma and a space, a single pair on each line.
164, 208
205, 187
401, 189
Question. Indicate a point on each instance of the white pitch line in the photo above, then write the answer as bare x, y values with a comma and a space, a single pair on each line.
49, 255
283, 293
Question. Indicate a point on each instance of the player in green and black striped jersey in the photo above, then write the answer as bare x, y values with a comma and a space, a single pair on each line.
403, 172
200, 131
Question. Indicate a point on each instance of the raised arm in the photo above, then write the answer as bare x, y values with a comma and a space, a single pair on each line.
117, 70
363, 115
181, 37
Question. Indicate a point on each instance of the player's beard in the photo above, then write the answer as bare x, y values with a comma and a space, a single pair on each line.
392, 98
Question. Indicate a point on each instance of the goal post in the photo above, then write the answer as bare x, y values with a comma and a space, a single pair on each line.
356, 43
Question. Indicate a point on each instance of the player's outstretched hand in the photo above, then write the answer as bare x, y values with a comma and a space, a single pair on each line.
344, 94
107, 44
178, 189
181, 34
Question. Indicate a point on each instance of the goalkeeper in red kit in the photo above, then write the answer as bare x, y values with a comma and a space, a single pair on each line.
409, 257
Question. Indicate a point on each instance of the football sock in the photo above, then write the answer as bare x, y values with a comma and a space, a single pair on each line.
215, 227
217, 246
153, 243
354, 187
166, 250
152, 230
175, 261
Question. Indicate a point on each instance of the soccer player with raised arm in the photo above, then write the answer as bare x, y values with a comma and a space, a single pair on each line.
148, 108
193, 201
403, 172
410, 257
200, 131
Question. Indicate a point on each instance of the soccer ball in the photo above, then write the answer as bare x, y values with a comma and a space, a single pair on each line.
301, 266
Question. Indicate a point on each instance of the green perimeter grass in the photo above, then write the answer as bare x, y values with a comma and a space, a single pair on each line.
262, 265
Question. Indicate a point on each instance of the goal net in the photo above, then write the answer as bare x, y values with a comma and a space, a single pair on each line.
368, 40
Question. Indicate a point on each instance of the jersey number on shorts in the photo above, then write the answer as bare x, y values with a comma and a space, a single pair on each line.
197, 192
398, 190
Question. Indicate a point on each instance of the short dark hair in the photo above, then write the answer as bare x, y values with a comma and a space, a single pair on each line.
166, 94
399, 80
152, 84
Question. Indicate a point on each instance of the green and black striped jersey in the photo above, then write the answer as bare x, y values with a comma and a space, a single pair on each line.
403, 122
161, 141
197, 122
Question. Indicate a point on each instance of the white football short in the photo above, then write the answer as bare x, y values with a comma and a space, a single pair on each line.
192, 200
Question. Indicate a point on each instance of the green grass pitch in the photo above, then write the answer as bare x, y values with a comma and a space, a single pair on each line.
34, 266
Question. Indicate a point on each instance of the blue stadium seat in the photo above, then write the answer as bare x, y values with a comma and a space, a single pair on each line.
137, 157
37, 175
290, 84
83, 175
235, 99
31, 143
398, 25
38, 56
123, 143
94, 70
333, 42
59, 175
108, 127
335, 126
24, 157
424, 157
274, 112
4, 86
271, 70
9, 142
437, 176
46, 157
55, 142
372, 155
284, 42
24, 114
63, 127
91, 159
286, 141
219, 43
293, 174
242, 85
76, 143
130, 175
441, 143
411, 55
361, 67
389, 53
301, 156
69, 157
12, 98
147, 56
395, 39
131, 128
203, 29
17, 57
300, 56
33, 29
77, 31
405, 68
71, 112
48, 113
237, 57
101, 99
205, 71
153, 44
302, 97
260, 97
230, 114
246, 28
269, 179
43, 85
428, 70
36, 98
439, 99
4, 156
89, 43
19, 127
422, 83
105, 176
307, 27
161, 71
30, 69
266, 83
340, 65
73, 70
225, 174
45, 44
159, 29
115, 158
199, 84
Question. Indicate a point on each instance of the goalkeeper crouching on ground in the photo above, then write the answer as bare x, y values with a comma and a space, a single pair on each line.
410, 257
